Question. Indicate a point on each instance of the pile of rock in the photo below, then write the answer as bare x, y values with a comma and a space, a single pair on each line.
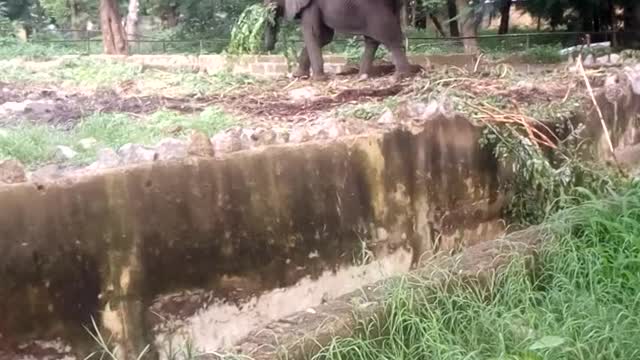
409, 115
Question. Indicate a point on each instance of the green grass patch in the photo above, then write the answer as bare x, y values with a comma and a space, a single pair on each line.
544, 54
105, 74
12, 48
35, 145
582, 302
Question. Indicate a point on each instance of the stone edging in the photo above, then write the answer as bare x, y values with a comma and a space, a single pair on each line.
301, 335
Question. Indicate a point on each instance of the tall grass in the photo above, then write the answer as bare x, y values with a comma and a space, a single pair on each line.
582, 302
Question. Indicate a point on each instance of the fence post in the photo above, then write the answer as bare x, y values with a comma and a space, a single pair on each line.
164, 47
200, 49
528, 41
88, 45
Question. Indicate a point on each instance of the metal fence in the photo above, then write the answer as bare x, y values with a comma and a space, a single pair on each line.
89, 42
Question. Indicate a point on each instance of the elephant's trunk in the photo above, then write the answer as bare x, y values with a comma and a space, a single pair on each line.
271, 31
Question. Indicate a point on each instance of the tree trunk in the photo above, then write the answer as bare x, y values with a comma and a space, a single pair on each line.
614, 24
113, 36
505, 13
452, 9
469, 28
133, 20
75, 19
632, 25
437, 24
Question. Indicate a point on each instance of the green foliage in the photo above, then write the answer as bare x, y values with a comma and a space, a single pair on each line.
541, 185
10, 48
545, 54
248, 33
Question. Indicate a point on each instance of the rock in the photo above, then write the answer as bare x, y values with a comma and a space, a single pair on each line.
65, 152
46, 173
265, 137
171, 148
12, 172
633, 74
608, 59
588, 60
299, 135
387, 118
303, 94
417, 111
106, 158
282, 136
247, 138
87, 143
136, 153
14, 107
200, 145
226, 142
336, 130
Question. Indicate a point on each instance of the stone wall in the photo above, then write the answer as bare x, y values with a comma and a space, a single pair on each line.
266, 65
111, 246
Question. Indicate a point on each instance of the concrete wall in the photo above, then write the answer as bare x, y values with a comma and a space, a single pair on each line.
112, 245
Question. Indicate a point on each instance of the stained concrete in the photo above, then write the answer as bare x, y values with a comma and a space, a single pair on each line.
110, 245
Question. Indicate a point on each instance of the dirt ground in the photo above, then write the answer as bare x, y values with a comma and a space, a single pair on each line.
282, 101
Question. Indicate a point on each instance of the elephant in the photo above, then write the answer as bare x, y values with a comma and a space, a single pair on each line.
377, 20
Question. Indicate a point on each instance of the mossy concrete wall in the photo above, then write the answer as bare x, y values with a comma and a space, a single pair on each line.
105, 245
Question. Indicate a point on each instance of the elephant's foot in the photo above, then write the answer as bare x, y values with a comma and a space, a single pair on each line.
320, 77
398, 76
301, 73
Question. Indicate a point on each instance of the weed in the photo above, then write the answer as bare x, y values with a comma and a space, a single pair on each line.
582, 302
543, 54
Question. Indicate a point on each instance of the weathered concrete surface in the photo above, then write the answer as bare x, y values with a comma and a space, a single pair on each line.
303, 334
108, 245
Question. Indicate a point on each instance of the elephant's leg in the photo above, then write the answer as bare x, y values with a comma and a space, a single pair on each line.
304, 63
369, 54
389, 33
312, 28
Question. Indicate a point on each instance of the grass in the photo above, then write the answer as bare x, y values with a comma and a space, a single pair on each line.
104, 74
35, 145
583, 302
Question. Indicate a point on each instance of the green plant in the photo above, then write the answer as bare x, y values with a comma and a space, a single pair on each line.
541, 185
247, 33
543, 54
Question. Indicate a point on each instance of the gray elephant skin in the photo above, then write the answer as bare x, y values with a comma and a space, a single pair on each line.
377, 20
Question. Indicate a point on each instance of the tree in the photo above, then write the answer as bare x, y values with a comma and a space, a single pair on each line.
470, 23
113, 35
452, 10
505, 13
